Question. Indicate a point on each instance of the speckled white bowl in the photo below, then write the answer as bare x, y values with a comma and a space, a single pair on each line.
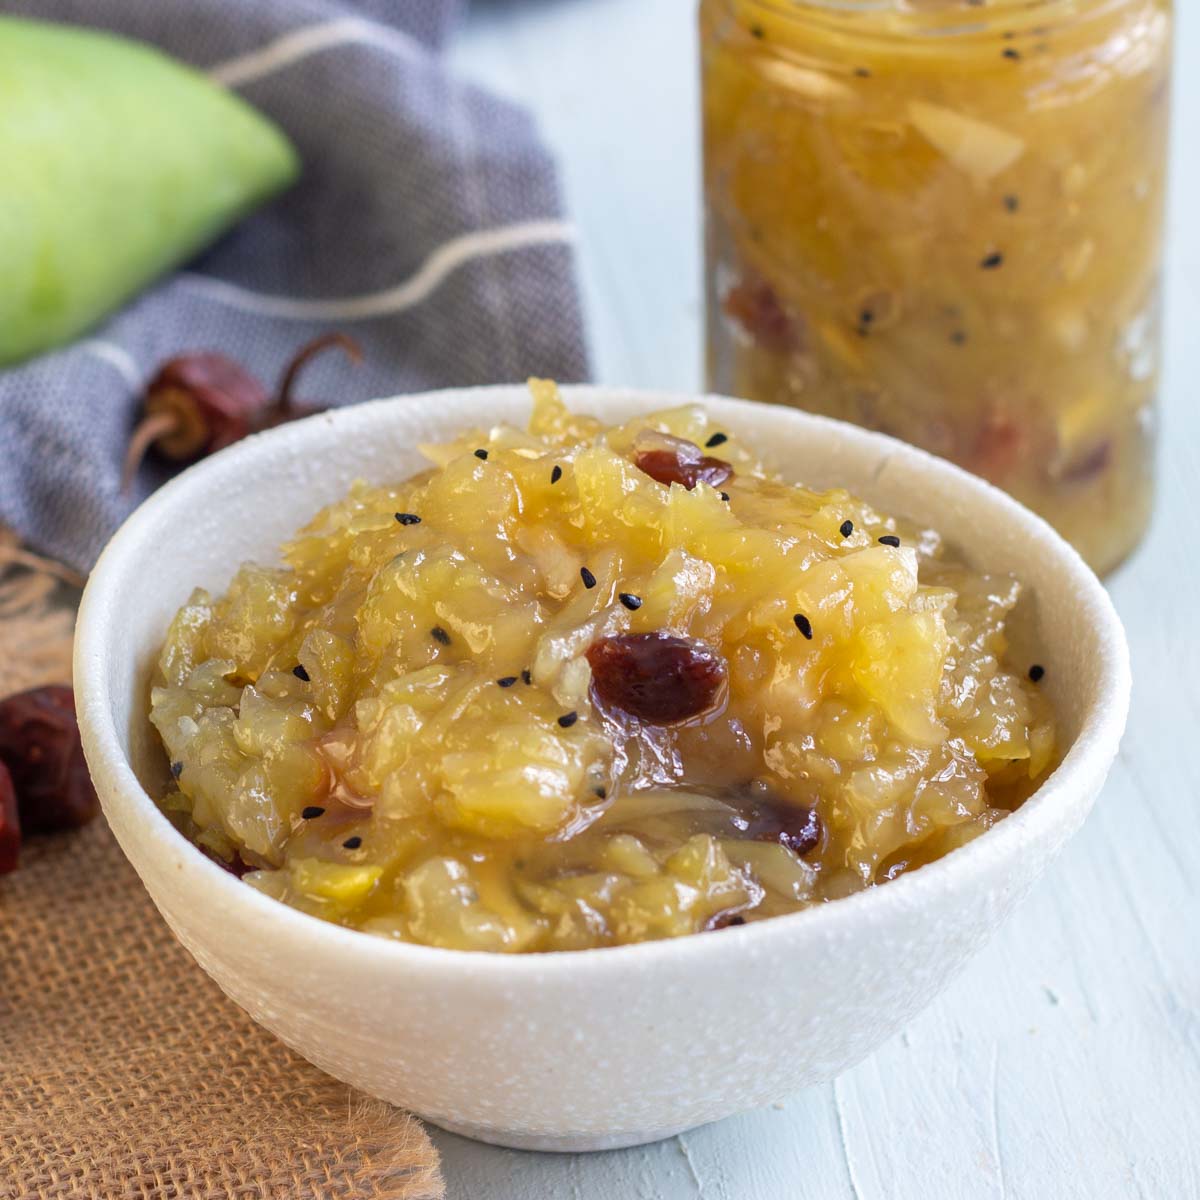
608, 1047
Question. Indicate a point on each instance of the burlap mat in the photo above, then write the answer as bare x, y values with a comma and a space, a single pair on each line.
124, 1071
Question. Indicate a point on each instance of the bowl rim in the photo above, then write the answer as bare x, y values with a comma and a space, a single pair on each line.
1091, 752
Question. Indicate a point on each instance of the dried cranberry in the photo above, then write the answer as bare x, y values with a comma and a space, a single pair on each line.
39, 744
675, 460
1000, 446
237, 866
724, 920
10, 824
655, 677
756, 307
1089, 465
799, 829
769, 818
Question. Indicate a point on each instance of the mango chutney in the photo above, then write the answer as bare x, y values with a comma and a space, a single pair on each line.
943, 220
578, 686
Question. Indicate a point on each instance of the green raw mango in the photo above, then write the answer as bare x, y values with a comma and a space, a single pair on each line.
116, 164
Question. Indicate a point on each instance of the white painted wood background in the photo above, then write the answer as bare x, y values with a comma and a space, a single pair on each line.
1066, 1061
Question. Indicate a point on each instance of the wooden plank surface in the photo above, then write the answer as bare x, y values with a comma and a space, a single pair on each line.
1065, 1062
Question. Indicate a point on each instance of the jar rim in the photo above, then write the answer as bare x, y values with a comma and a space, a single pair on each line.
946, 18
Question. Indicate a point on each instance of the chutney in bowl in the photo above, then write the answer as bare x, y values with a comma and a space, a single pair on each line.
578, 685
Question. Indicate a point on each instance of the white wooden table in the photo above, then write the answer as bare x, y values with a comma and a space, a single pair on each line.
1066, 1061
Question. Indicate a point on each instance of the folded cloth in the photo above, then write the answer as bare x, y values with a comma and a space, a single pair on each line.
427, 224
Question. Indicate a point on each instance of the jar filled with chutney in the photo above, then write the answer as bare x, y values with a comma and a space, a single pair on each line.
943, 219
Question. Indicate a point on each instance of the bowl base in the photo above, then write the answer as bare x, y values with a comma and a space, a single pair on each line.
556, 1143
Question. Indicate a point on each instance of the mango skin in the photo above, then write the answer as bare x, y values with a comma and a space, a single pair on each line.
117, 163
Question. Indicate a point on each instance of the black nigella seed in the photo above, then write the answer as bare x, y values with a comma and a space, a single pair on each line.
507, 681
176, 770
958, 337
862, 72
1009, 52
631, 602
527, 675
300, 673
1012, 203
481, 454
408, 518
352, 843
589, 580
440, 635
717, 439
846, 528
725, 497
757, 31
556, 474
568, 719
804, 625
313, 810
1036, 672
889, 539
992, 261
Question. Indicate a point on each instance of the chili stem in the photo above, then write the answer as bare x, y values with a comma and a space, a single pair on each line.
305, 355
144, 436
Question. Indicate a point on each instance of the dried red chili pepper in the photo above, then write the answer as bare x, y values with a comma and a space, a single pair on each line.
655, 677
676, 460
39, 744
195, 405
201, 402
10, 824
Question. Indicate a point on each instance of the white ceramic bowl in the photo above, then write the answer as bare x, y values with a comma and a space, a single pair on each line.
600, 1048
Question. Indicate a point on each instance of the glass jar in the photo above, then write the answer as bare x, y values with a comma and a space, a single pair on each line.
943, 220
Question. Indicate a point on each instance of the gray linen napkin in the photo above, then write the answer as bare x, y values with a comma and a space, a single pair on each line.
427, 224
